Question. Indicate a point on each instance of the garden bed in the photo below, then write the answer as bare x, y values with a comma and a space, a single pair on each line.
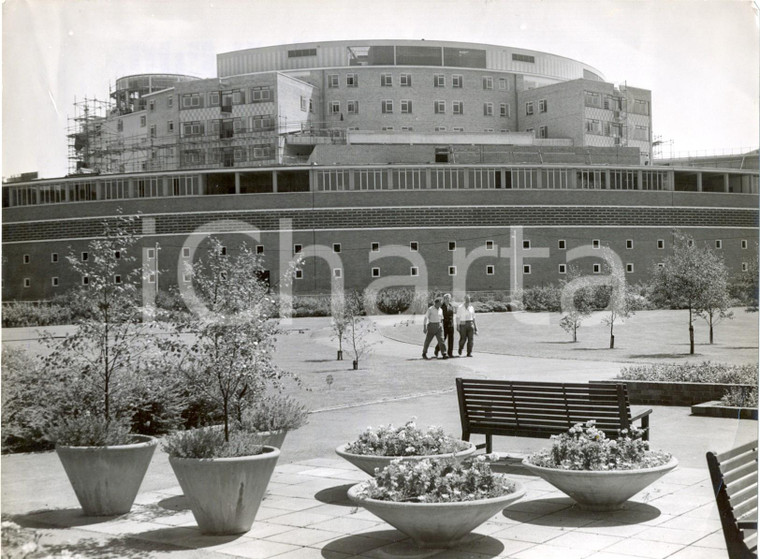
662, 393
716, 409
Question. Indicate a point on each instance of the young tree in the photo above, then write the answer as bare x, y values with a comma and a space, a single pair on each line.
357, 326
100, 367
340, 320
619, 307
577, 301
716, 298
230, 360
691, 278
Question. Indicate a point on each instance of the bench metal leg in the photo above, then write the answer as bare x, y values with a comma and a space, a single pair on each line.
489, 445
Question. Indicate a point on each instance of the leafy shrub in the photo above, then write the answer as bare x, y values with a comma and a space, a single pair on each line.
706, 372
19, 543
274, 413
437, 481
584, 447
740, 397
89, 430
18, 314
408, 440
311, 305
542, 298
492, 306
208, 442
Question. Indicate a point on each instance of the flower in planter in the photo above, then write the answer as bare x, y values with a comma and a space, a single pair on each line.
408, 440
584, 447
437, 481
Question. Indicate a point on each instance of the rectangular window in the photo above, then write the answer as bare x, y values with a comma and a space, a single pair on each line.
490, 269
414, 246
561, 244
629, 267
296, 53
304, 103
629, 244
526, 245
439, 107
542, 105
151, 253
593, 126
352, 80
213, 99
54, 257
523, 58
54, 281
503, 83
543, 132
456, 81
27, 282
152, 130
26, 259
562, 269
299, 274
374, 247
526, 269
745, 267
489, 245
592, 99
85, 280
185, 252
439, 80
487, 82
117, 279
191, 100
352, 107
504, 109
261, 94
487, 109
332, 81
414, 271
457, 107
529, 108
387, 106
297, 248
375, 272
170, 127
85, 256
596, 243
440, 129
336, 247
452, 245
386, 80
452, 270
337, 273
641, 107
335, 107
405, 80
718, 244
406, 106
660, 244
170, 101
152, 105
143, 122
597, 268
744, 243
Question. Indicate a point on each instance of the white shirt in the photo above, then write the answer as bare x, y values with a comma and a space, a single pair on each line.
433, 316
464, 313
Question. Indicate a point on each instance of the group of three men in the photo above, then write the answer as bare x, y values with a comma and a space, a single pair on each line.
440, 321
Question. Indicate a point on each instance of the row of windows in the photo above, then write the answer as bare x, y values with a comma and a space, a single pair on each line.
227, 127
405, 80
543, 106
414, 246
406, 106
225, 99
614, 103
227, 156
375, 272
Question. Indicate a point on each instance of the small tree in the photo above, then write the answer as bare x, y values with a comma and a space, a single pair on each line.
749, 284
577, 301
619, 307
98, 369
230, 360
691, 278
357, 326
340, 320
716, 300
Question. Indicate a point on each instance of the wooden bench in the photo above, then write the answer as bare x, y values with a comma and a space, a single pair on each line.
734, 480
542, 409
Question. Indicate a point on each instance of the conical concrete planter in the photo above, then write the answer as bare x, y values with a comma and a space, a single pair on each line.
273, 438
601, 490
106, 479
436, 525
367, 462
225, 493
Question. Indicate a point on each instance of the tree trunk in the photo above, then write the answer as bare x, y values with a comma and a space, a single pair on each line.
612, 341
711, 331
691, 338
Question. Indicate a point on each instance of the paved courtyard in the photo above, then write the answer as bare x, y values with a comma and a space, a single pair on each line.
306, 513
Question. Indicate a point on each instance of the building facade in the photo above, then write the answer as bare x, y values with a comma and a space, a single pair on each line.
377, 163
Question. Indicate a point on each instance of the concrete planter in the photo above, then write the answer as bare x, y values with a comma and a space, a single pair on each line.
273, 438
436, 525
106, 479
367, 463
715, 409
660, 393
225, 493
601, 490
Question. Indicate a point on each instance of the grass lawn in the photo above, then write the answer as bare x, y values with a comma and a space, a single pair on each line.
648, 336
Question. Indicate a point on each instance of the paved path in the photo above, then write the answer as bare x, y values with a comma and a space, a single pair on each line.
305, 514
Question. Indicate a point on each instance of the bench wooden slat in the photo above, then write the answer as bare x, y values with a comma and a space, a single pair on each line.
734, 479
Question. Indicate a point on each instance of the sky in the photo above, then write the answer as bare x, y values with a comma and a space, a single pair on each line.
700, 58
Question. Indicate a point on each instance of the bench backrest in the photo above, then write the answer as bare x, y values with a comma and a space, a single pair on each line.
734, 478
540, 409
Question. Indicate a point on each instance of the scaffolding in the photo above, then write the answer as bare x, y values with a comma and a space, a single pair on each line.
86, 134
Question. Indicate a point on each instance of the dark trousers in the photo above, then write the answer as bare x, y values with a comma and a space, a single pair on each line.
434, 331
466, 334
448, 337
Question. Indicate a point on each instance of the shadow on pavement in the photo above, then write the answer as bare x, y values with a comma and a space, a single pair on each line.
336, 495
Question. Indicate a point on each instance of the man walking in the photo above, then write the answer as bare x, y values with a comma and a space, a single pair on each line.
448, 310
466, 325
431, 326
